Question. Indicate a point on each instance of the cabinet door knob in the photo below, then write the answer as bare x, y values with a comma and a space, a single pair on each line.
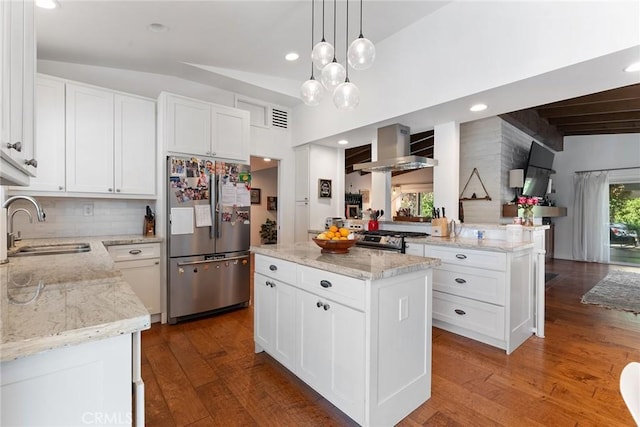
326, 307
319, 304
273, 267
461, 256
15, 146
117, 190
325, 283
135, 251
460, 312
459, 280
31, 162
60, 187
110, 190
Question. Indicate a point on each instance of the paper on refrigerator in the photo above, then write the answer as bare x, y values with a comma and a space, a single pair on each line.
182, 221
235, 195
203, 216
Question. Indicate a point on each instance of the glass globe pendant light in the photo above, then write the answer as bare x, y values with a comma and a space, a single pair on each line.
322, 52
347, 95
311, 91
333, 73
362, 52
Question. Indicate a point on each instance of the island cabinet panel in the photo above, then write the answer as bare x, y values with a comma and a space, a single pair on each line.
484, 295
363, 344
275, 318
86, 384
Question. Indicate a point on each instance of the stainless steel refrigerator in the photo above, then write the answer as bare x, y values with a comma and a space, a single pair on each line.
208, 236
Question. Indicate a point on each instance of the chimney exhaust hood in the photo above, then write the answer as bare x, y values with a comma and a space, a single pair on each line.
394, 152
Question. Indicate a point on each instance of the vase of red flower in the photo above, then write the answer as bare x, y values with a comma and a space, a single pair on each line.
527, 204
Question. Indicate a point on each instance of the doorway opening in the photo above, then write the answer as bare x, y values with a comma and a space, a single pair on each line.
264, 201
624, 223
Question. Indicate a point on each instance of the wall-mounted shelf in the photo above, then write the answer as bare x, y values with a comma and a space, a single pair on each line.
510, 210
473, 196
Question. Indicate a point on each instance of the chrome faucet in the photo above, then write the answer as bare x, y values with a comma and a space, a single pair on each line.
16, 237
39, 214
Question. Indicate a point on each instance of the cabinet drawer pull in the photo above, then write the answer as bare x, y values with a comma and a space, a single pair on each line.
325, 283
273, 267
135, 251
31, 162
460, 312
326, 307
319, 304
459, 280
461, 256
270, 284
15, 146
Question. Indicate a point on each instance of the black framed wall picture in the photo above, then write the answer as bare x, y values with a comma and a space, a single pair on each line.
324, 188
272, 203
255, 196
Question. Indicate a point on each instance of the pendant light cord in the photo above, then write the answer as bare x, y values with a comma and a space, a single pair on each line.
313, 20
323, 21
334, 30
346, 46
361, 36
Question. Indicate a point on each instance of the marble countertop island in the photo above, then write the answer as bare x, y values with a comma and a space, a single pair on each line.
466, 243
359, 263
52, 301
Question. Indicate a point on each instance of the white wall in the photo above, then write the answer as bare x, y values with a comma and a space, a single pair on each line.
267, 181
588, 153
325, 163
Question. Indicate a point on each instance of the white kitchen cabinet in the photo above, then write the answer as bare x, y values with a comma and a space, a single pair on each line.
17, 39
196, 127
484, 295
76, 385
110, 142
331, 350
140, 265
50, 135
363, 345
301, 222
414, 249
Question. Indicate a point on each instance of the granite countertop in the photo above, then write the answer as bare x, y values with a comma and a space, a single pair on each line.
360, 263
466, 243
52, 301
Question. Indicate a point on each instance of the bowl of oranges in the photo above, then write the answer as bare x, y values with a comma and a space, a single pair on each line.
335, 240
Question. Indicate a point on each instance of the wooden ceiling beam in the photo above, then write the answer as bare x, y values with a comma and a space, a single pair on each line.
603, 132
622, 93
599, 127
627, 105
595, 118
530, 122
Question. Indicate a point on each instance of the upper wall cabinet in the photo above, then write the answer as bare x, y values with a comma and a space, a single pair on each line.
93, 142
110, 142
17, 41
191, 126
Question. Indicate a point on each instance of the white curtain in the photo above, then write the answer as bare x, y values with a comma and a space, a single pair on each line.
591, 217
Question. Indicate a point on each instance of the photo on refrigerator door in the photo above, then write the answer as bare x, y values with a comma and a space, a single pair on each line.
190, 179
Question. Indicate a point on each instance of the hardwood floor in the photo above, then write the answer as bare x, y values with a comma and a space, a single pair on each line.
205, 372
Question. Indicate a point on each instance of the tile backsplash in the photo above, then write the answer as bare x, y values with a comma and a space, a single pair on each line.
74, 217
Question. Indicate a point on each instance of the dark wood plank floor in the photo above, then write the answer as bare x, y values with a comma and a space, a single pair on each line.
205, 373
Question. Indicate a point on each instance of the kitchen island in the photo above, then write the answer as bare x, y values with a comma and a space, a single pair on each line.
356, 327
484, 288
70, 338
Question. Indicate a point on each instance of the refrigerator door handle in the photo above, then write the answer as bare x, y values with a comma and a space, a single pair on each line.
218, 195
213, 200
209, 261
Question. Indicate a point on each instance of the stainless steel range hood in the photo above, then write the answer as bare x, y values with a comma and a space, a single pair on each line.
394, 152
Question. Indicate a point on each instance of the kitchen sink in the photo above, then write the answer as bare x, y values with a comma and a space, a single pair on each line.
57, 249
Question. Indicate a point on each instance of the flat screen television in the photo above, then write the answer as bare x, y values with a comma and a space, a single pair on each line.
538, 171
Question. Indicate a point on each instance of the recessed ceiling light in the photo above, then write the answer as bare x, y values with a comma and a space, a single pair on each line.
48, 4
158, 28
478, 107
266, 159
291, 56
633, 67
343, 142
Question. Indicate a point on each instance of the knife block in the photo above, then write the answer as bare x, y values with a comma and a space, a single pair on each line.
439, 227
149, 228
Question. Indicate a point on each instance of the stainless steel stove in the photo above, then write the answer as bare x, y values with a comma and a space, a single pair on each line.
386, 239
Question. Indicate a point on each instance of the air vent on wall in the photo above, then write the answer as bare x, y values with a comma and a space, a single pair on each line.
279, 118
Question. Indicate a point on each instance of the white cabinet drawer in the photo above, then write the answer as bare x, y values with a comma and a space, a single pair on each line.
276, 268
468, 282
479, 317
468, 257
134, 251
345, 290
